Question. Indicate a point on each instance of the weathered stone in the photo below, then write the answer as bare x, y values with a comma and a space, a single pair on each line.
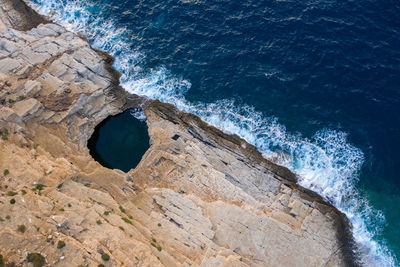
49, 48
26, 107
45, 30
6, 47
8, 114
8, 64
32, 88
18, 15
34, 58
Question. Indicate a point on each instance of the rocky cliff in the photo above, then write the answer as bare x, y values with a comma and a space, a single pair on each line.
199, 197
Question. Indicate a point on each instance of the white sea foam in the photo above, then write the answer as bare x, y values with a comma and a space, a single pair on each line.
326, 163
138, 114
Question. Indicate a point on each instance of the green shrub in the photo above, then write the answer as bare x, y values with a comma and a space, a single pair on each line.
11, 193
23, 192
1, 261
87, 185
11, 101
6, 172
40, 186
36, 258
159, 225
105, 257
127, 220
4, 134
59, 186
154, 240
60, 244
122, 209
101, 265
98, 222
62, 209
21, 228
12, 201
122, 228
106, 213
157, 247
21, 97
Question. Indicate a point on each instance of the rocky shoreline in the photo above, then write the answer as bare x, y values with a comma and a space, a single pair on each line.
198, 197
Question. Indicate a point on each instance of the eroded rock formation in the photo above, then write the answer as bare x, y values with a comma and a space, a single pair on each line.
199, 197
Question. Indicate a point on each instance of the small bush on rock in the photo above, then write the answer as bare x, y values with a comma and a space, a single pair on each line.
105, 257
122, 209
36, 258
60, 244
4, 134
127, 220
40, 186
11, 193
21, 228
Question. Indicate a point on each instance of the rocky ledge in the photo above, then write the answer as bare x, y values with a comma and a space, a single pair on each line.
199, 197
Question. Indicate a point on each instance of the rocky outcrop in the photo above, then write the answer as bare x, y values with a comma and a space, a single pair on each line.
199, 197
17, 15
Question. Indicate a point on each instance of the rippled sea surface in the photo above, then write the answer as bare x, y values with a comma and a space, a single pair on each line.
315, 85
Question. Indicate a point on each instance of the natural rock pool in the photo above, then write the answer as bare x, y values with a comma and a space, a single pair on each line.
119, 142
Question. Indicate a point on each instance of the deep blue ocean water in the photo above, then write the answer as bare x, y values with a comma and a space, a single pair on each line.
315, 85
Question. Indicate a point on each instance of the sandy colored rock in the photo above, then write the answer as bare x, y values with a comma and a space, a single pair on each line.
199, 197
27, 107
2, 25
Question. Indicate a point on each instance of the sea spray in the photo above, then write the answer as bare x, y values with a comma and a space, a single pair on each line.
325, 163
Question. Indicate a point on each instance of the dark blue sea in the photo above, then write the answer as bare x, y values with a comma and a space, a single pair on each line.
314, 84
